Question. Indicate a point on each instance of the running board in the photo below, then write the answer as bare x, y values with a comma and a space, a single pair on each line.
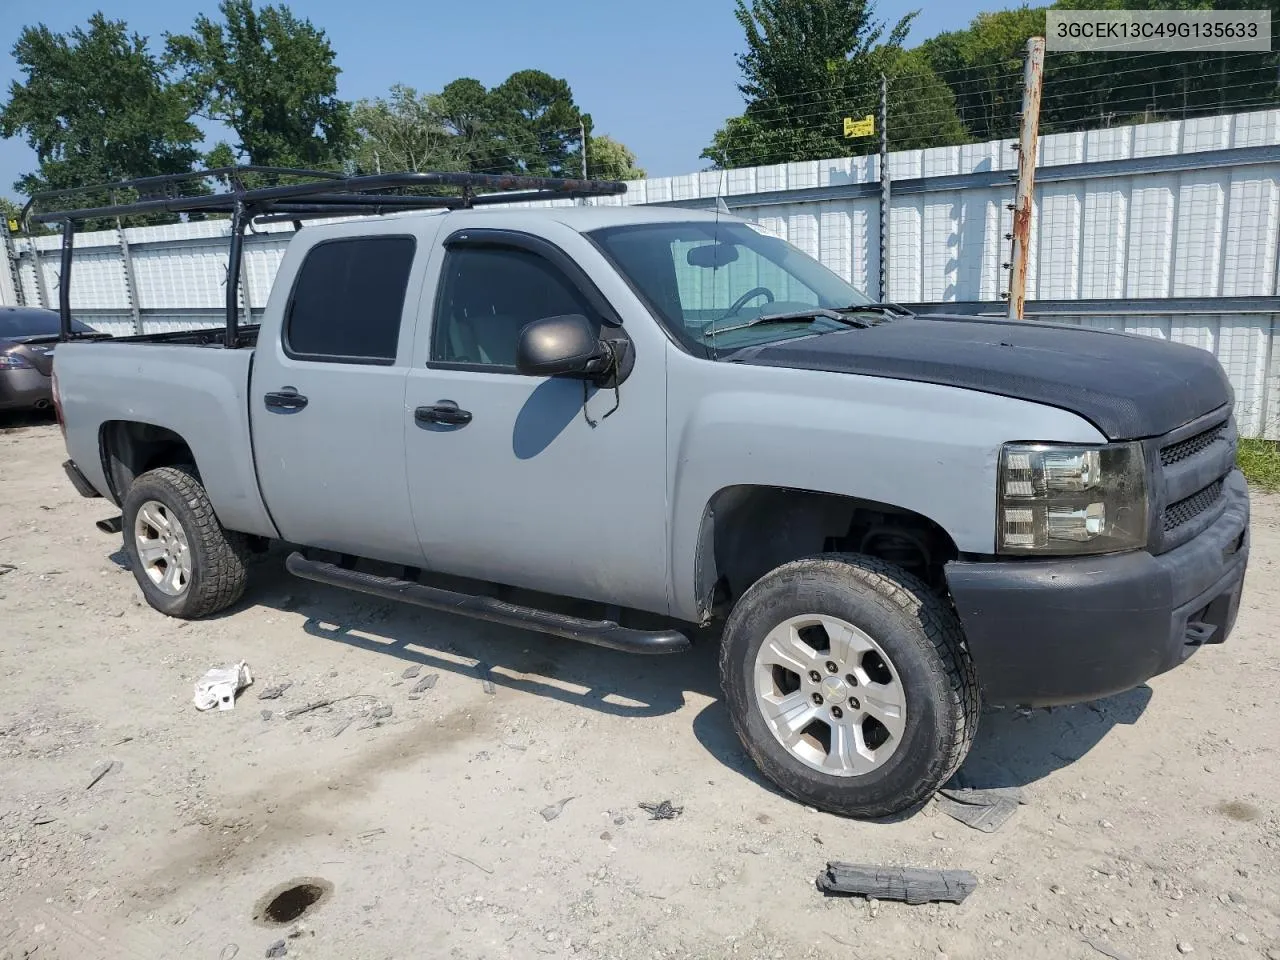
600, 633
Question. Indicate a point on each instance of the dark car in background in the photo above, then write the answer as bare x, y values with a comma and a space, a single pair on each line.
27, 338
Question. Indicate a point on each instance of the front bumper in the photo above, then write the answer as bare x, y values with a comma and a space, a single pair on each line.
1046, 632
24, 389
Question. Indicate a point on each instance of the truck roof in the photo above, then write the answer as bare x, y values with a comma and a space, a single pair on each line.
582, 219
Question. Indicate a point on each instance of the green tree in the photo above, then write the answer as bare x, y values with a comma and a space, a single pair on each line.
528, 124
271, 77
607, 159
533, 118
96, 107
405, 131
810, 63
983, 65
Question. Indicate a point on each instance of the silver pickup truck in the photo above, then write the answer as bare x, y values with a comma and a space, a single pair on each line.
665, 411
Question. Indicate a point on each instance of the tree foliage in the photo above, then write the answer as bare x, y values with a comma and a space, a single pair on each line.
607, 159
272, 78
407, 130
811, 63
95, 106
983, 66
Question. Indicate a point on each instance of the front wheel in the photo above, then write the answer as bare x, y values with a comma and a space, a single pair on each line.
849, 684
187, 565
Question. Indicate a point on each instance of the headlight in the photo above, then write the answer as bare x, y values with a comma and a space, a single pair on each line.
1071, 500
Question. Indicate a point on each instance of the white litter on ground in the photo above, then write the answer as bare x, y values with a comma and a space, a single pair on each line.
218, 687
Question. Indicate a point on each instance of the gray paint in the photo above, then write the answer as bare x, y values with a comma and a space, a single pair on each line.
200, 393
925, 448
333, 473
529, 493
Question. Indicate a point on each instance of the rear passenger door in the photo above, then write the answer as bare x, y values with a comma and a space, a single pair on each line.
327, 392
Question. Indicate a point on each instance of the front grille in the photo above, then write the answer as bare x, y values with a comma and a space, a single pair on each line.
1191, 446
1188, 508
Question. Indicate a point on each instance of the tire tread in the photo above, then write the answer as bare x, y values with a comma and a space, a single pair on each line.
911, 596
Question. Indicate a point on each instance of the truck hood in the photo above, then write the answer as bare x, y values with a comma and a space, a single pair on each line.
1128, 386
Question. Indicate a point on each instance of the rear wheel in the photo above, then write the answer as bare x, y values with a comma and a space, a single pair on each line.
849, 684
187, 565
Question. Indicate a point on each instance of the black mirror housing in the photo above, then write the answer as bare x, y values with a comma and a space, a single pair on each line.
556, 346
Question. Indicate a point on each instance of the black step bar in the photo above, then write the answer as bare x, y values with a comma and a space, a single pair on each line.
600, 633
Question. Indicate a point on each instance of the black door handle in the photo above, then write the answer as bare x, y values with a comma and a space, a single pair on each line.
285, 400
446, 412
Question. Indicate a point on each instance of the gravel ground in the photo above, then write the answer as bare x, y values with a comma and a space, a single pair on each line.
1152, 827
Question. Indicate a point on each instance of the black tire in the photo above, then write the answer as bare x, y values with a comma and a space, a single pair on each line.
921, 636
218, 557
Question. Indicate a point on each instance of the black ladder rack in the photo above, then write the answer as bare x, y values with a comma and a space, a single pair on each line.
314, 193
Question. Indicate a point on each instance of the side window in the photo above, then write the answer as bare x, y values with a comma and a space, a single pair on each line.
348, 300
487, 295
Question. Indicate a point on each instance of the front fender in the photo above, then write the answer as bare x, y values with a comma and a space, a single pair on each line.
929, 449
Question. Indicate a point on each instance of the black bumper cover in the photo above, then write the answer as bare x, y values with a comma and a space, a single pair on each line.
1046, 632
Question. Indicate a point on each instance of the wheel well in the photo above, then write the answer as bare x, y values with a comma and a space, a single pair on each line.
130, 449
750, 530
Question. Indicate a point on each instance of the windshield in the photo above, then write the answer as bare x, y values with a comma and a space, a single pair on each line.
703, 278
16, 323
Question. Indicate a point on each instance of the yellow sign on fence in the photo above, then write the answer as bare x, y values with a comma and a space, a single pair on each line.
14, 225
860, 128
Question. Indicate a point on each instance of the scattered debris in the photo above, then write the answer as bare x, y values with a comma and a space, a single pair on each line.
1106, 949
909, 884
1185, 947
266, 714
553, 811
43, 819
218, 687
411, 672
470, 861
370, 834
229, 952
278, 949
381, 713
100, 771
276, 692
426, 683
342, 726
663, 810
974, 808
122, 741
6, 567
327, 702
486, 678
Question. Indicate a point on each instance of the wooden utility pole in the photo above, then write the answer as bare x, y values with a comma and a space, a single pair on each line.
1024, 201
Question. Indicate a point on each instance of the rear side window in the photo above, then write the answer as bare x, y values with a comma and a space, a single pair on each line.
348, 300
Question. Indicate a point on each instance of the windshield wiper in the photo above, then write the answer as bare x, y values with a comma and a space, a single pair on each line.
791, 316
885, 307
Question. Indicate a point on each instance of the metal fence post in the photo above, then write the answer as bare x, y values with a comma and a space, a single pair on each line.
42, 290
130, 279
884, 188
1024, 201
11, 261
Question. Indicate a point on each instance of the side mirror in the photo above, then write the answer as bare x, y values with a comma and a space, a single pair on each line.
554, 346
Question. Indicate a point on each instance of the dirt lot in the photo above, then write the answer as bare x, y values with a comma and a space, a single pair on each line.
1153, 827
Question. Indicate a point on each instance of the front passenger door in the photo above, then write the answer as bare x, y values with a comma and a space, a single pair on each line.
509, 479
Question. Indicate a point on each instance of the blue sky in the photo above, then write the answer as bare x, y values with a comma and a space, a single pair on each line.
659, 75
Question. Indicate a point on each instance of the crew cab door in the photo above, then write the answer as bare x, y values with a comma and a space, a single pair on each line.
326, 397
532, 481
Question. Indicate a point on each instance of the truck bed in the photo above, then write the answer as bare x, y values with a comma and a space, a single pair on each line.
207, 337
180, 382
